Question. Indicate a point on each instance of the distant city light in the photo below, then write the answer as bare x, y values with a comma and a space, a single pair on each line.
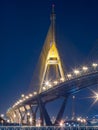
73, 97
8, 121
30, 120
84, 120
78, 119
61, 123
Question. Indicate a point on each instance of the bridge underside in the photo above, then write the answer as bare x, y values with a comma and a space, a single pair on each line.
26, 112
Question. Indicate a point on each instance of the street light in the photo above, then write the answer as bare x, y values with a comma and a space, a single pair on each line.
76, 72
47, 83
35, 93
22, 95
55, 82
95, 96
30, 95
27, 97
62, 79
85, 68
50, 85
94, 65
69, 75
44, 88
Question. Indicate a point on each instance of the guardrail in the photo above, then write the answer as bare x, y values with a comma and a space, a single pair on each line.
48, 128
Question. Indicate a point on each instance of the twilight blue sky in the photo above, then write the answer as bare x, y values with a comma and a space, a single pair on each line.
23, 28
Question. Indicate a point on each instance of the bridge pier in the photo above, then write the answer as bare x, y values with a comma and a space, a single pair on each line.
33, 114
23, 115
27, 115
44, 113
41, 118
14, 116
61, 112
21, 121
33, 119
28, 119
17, 116
11, 117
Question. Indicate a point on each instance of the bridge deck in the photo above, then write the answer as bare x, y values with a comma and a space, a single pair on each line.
64, 89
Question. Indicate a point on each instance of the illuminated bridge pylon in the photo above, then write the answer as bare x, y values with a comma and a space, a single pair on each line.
50, 69
52, 64
31, 109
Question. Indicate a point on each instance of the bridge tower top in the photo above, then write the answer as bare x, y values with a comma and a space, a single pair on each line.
52, 18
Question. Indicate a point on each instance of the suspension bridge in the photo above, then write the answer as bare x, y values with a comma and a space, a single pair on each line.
54, 83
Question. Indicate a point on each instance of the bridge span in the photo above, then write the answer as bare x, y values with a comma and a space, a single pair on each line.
60, 89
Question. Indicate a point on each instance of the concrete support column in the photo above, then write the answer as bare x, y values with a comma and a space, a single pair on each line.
21, 117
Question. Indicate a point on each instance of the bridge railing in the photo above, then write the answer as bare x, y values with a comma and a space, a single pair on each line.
48, 128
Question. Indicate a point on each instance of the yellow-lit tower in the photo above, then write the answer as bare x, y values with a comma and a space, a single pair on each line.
52, 56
